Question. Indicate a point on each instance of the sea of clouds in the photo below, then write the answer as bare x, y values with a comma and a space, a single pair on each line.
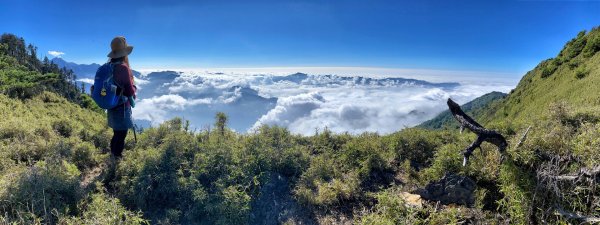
304, 103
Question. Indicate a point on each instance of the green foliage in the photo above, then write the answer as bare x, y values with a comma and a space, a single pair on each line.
63, 128
45, 190
593, 43
447, 160
85, 156
391, 209
103, 209
23, 75
221, 122
548, 67
416, 145
574, 46
517, 187
43, 153
581, 72
176, 176
586, 144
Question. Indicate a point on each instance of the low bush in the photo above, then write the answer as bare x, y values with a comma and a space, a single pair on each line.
581, 72
103, 209
63, 128
46, 190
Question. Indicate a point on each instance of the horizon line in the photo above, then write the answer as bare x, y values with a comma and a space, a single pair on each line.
435, 75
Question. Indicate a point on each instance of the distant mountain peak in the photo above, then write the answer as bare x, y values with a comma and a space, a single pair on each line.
82, 71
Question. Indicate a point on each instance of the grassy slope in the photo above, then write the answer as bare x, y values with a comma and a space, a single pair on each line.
47, 144
534, 94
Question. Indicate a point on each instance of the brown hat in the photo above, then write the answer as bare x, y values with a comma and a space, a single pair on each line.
119, 48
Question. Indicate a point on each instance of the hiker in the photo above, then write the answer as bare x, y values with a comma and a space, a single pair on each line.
119, 117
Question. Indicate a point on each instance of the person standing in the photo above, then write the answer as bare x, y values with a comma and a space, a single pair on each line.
119, 118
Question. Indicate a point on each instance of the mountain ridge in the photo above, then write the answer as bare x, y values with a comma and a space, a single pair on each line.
83, 71
475, 108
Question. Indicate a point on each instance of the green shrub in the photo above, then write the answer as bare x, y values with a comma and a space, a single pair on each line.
320, 171
581, 72
586, 145
574, 46
85, 156
23, 90
448, 159
416, 145
44, 132
101, 139
13, 132
46, 190
88, 103
102, 209
390, 209
63, 128
573, 64
516, 184
593, 44
232, 206
548, 70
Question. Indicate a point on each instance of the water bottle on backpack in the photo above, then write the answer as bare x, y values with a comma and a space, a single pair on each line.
104, 91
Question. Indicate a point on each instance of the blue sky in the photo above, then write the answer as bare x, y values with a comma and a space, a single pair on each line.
496, 36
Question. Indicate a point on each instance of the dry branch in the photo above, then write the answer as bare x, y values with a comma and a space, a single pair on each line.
483, 135
583, 174
574, 216
522, 138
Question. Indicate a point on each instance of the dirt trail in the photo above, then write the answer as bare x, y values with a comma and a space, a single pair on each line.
276, 205
90, 176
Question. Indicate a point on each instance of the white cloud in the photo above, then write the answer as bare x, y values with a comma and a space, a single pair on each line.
56, 53
157, 108
86, 80
290, 109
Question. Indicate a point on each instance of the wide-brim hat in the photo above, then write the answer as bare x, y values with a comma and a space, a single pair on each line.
119, 48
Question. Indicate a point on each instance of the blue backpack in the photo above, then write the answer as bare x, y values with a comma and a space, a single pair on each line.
104, 92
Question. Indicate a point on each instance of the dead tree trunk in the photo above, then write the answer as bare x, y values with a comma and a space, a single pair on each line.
483, 134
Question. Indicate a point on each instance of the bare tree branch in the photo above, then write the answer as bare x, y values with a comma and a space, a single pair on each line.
483, 135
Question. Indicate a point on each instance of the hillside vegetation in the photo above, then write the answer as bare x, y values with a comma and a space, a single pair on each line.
52, 141
477, 108
572, 77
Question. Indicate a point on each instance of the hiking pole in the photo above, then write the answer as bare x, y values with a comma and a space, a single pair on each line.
134, 133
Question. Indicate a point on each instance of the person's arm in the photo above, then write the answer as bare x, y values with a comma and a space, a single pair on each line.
122, 77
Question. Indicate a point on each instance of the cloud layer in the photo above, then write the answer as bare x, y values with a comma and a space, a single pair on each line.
301, 102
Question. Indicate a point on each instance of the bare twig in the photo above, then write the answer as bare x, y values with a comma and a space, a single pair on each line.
522, 138
575, 216
583, 173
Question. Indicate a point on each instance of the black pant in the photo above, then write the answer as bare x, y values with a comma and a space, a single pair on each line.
117, 144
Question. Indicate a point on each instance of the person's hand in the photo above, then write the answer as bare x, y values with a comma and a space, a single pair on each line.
131, 101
